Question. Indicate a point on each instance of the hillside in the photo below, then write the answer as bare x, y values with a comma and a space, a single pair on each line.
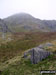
11, 52
24, 22
22, 42
23, 67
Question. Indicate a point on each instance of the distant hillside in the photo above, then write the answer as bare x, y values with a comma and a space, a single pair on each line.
24, 22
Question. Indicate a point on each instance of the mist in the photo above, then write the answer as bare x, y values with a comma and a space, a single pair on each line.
43, 9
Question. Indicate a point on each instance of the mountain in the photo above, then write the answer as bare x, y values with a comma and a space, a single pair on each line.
24, 22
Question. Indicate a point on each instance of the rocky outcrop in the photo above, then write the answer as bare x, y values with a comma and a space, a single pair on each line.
3, 27
37, 54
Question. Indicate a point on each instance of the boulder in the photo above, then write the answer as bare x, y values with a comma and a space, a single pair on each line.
36, 54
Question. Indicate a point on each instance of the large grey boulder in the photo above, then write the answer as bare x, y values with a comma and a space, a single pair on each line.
36, 54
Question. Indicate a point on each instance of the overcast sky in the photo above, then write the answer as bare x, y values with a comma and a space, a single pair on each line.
43, 9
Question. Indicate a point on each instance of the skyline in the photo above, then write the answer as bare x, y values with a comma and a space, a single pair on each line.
42, 9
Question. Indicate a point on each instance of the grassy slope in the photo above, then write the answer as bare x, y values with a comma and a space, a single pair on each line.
24, 67
16, 47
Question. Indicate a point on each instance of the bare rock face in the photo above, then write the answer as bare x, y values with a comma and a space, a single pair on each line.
37, 54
